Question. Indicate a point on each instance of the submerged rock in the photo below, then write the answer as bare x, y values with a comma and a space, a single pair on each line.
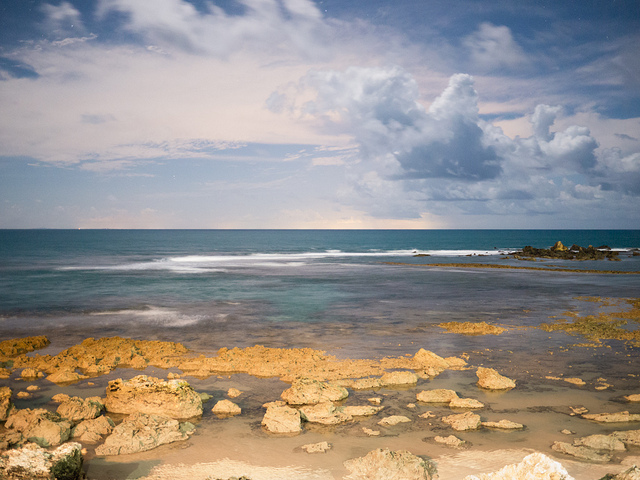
389, 465
281, 418
463, 421
40, 426
439, 395
32, 462
143, 394
534, 466
306, 391
141, 432
490, 379
584, 453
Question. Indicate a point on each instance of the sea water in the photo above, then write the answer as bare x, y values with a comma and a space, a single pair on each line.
319, 288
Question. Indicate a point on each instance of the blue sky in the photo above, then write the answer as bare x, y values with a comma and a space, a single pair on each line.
319, 114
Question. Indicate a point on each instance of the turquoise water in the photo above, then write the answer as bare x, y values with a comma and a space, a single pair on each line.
330, 289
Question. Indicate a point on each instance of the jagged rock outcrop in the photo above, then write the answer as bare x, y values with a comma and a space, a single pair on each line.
32, 462
18, 346
384, 464
77, 409
463, 421
6, 405
280, 418
490, 379
40, 426
143, 394
92, 431
534, 466
306, 391
141, 432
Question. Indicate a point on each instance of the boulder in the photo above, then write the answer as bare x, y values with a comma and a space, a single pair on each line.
534, 466
321, 447
226, 408
490, 379
91, 431
601, 442
503, 424
32, 462
384, 464
618, 417
583, 453
306, 391
430, 362
154, 396
233, 392
463, 421
399, 378
6, 405
439, 395
141, 432
40, 426
65, 376
77, 409
281, 418
325, 413
450, 441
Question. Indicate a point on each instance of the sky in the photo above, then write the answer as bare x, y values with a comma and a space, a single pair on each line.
319, 114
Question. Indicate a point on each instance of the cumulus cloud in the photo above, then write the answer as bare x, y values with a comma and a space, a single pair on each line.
413, 158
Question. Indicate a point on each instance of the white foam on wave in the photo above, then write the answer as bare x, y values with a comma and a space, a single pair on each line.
157, 315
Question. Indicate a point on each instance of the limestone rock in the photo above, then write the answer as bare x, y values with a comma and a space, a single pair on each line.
439, 395
325, 413
632, 398
77, 409
394, 420
60, 397
618, 417
465, 403
584, 453
233, 392
389, 465
364, 383
40, 426
305, 391
371, 433
31, 373
601, 442
173, 398
226, 407
141, 432
65, 376
534, 466
632, 473
399, 378
5, 403
281, 419
32, 462
91, 431
430, 362
321, 447
18, 346
628, 437
450, 441
463, 421
490, 379
503, 424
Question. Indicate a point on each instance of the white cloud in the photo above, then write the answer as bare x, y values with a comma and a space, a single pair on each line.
493, 46
62, 20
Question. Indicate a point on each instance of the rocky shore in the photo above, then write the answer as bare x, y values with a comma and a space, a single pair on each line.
51, 437
574, 252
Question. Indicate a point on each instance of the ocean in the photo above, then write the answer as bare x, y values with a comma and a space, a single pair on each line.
335, 290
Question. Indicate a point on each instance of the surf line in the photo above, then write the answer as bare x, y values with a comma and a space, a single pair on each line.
512, 267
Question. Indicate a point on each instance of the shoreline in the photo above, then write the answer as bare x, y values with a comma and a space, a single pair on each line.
513, 267
230, 445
